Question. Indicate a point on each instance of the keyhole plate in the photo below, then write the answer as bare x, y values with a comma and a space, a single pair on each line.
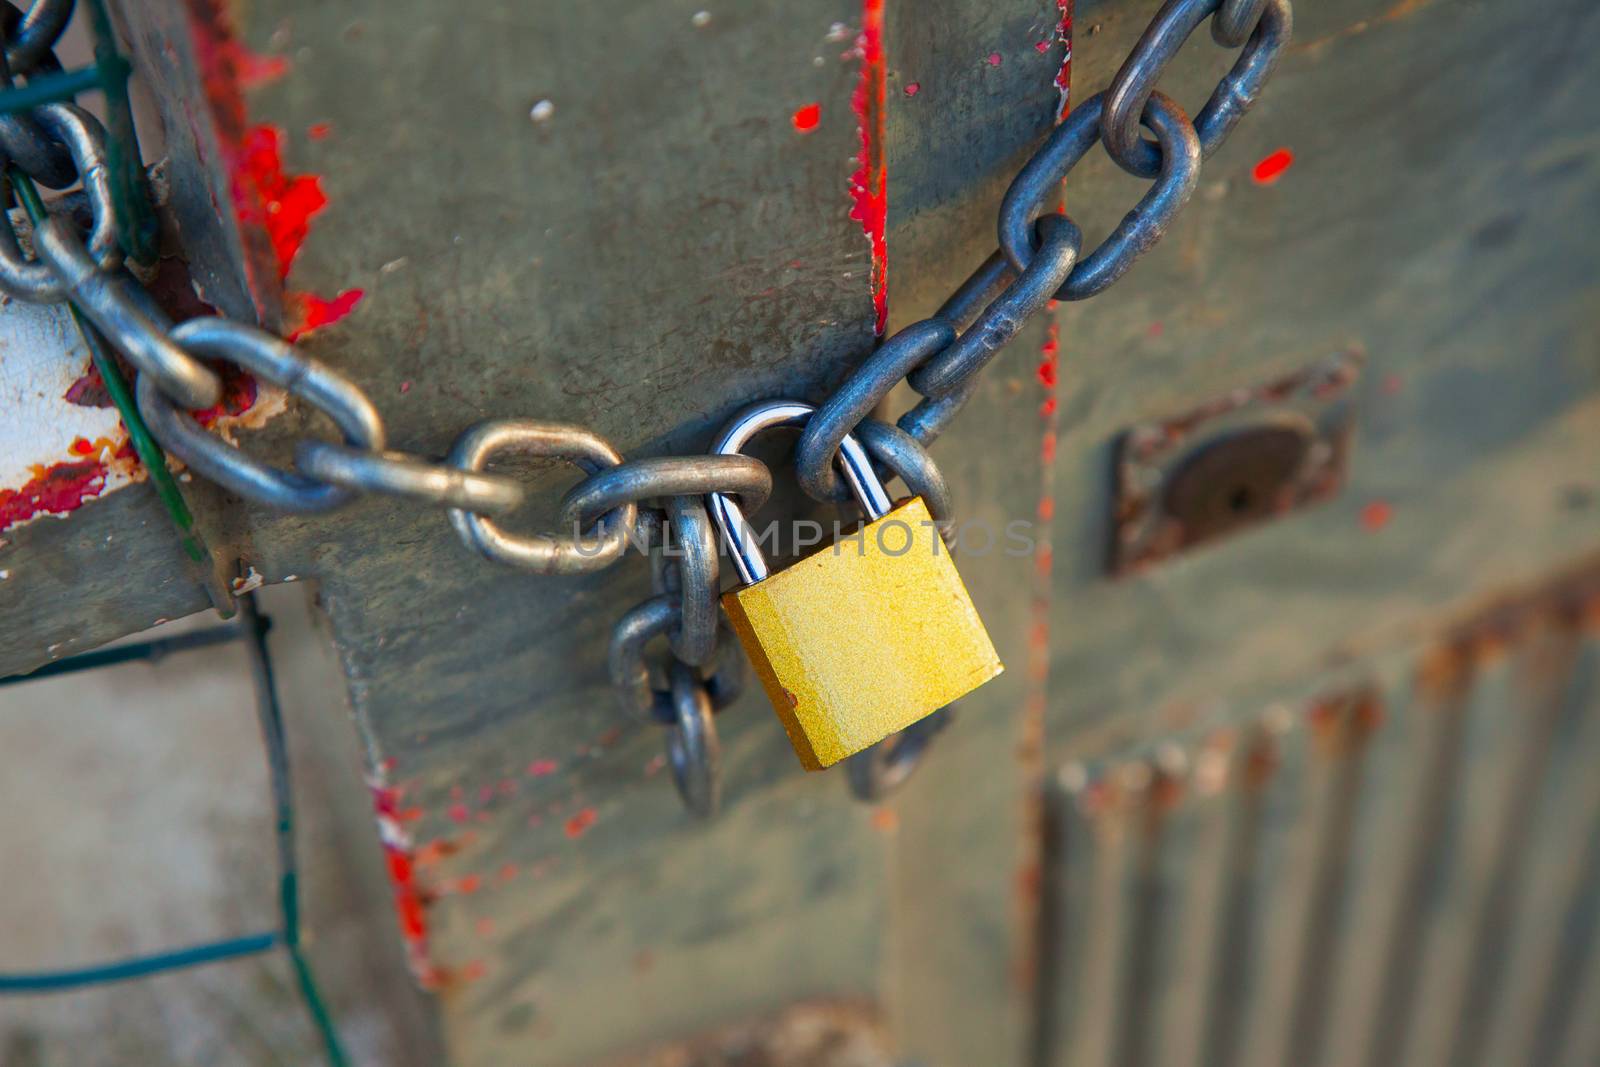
1233, 463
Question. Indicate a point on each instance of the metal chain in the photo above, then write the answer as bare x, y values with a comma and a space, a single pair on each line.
1039, 260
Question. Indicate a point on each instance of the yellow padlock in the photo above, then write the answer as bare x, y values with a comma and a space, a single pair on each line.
863, 638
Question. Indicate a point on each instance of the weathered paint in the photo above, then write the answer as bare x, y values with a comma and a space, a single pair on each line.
869, 184
58, 447
270, 203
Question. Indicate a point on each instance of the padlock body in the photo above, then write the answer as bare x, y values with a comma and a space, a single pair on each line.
864, 637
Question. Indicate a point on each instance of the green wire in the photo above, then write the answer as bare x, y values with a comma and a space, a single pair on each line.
137, 236
137, 222
272, 735
150, 454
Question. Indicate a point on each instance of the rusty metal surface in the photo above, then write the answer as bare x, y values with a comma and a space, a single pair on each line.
1248, 456
663, 246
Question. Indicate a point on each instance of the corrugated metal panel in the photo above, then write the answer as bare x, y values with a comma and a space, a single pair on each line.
1403, 870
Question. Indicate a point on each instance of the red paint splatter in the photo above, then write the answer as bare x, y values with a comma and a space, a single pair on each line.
469, 884
1272, 167
541, 767
1047, 508
53, 490
308, 311
1042, 46
993, 60
579, 824
265, 195
319, 131
405, 387
869, 185
409, 903
913, 88
1047, 448
274, 208
1156, 329
806, 118
459, 813
1376, 515
885, 820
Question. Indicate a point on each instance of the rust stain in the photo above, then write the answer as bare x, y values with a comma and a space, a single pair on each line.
1401, 10
1030, 749
580, 823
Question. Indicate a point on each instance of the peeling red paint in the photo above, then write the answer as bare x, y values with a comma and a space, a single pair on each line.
1271, 168
89, 390
1063, 81
319, 131
266, 198
869, 185
805, 119
1376, 515
265, 195
579, 824
53, 490
913, 88
993, 59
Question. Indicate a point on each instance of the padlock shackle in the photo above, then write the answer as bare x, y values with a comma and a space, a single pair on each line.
854, 464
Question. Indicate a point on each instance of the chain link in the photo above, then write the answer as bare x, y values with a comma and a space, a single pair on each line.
1038, 261
1234, 95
